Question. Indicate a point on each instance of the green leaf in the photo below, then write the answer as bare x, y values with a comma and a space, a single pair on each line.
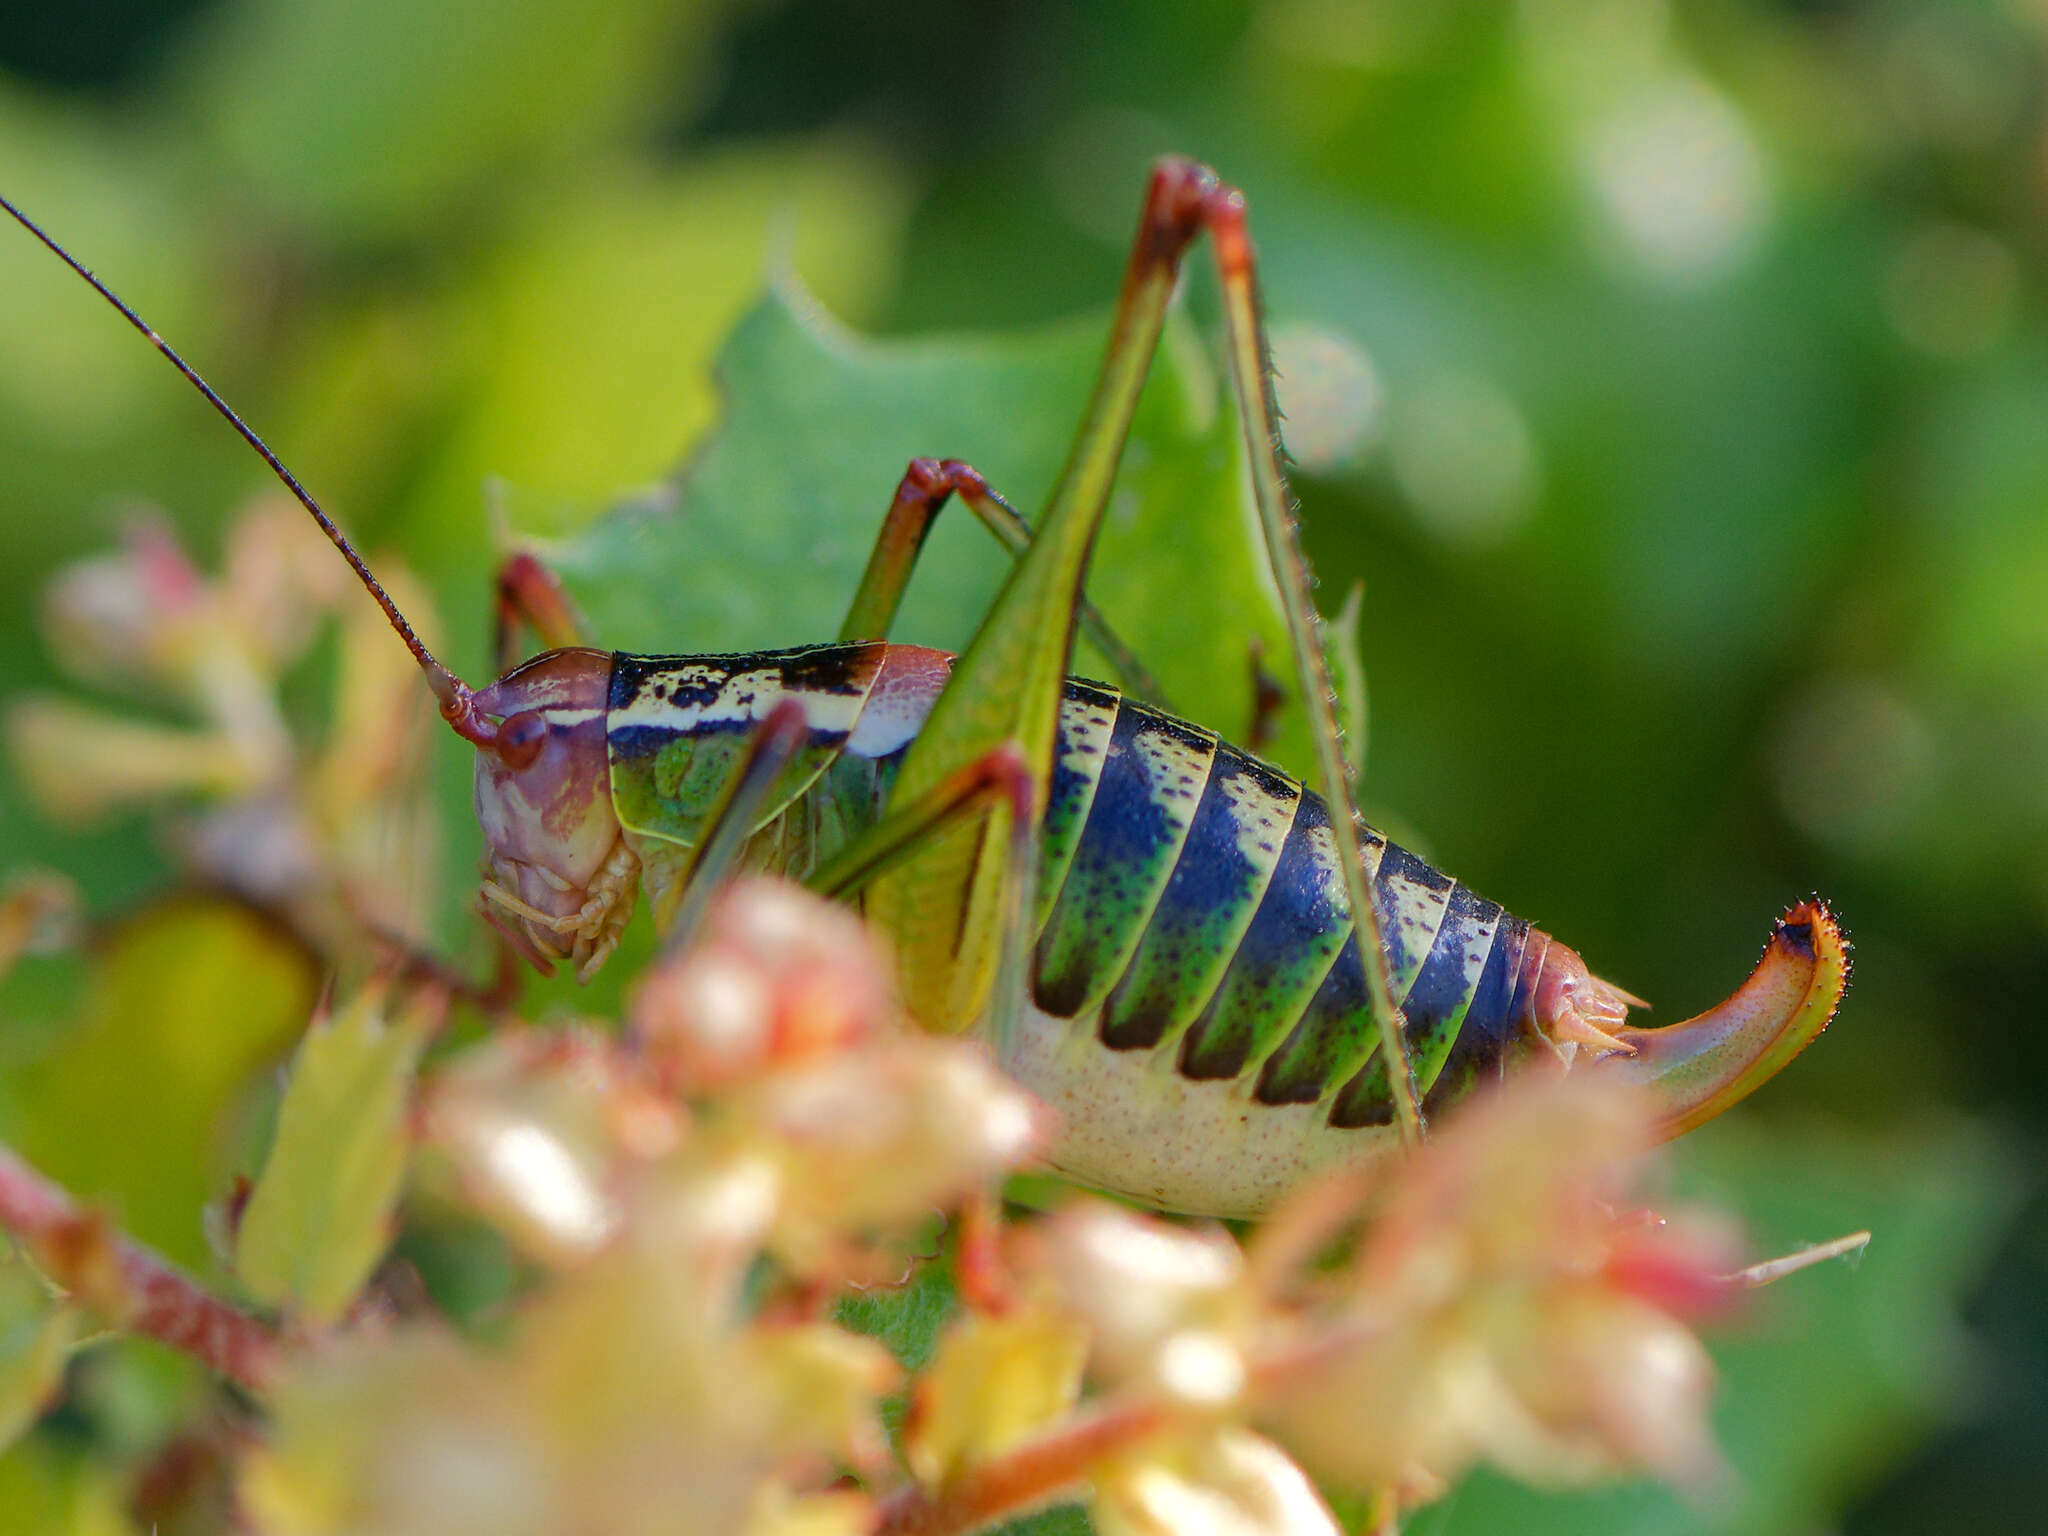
629, 283
37, 1331
57, 1490
132, 1104
907, 1318
1059, 1520
321, 1215
369, 118
763, 541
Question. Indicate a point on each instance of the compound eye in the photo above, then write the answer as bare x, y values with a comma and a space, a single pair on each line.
520, 738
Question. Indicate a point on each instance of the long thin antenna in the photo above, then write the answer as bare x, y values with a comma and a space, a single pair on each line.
457, 699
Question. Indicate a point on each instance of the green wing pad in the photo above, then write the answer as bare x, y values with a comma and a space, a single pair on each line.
1152, 779
679, 726
846, 801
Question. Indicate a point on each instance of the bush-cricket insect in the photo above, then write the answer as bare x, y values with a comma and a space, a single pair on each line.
1221, 978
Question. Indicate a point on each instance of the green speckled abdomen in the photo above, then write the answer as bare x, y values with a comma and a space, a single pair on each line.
1191, 905
1198, 1010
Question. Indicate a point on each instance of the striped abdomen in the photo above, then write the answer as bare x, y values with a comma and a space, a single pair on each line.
1190, 901
1191, 905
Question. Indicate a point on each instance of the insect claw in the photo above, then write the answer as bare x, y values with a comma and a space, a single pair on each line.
599, 953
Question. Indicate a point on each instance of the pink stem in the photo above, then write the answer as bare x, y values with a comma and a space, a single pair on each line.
158, 1298
1028, 1475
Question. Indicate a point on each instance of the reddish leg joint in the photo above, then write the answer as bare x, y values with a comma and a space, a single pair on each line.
922, 491
1183, 199
530, 594
933, 480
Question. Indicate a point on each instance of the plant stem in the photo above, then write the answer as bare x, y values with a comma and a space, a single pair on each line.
1031, 1474
148, 1294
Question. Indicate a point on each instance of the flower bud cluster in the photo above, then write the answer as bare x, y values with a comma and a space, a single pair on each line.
334, 837
697, 1193
693, 1198
1500, 1302
693, 1195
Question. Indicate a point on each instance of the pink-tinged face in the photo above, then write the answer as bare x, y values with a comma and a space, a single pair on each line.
544, 802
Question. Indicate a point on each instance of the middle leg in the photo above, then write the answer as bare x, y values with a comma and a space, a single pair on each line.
921, 493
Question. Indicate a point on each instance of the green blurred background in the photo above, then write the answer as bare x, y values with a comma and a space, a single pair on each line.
1675, 375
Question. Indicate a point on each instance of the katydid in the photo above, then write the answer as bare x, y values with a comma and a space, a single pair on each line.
1222, 979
